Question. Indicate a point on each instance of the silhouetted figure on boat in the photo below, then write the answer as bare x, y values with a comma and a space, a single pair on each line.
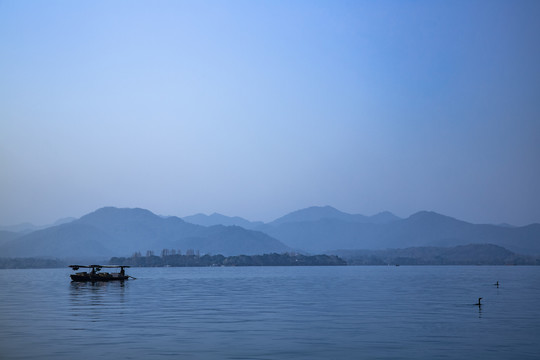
497, 283
95, 274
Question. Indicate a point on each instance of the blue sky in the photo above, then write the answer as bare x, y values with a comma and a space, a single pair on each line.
259, 108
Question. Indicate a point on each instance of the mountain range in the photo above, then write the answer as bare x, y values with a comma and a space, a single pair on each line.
218, 219
421, 229
29, 227
112, 231
325, 229
119, 232
473, 254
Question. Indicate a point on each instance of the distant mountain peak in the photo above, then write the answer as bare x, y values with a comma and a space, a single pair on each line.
384, 217
111, 231
111, 210
126, 209
313, 213
318, 213
220, 219
431, 215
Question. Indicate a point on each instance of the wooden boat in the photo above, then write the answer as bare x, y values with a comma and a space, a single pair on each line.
95, 274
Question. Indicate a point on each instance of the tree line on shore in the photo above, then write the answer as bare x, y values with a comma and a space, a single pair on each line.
31, 263
472, 254
192, 259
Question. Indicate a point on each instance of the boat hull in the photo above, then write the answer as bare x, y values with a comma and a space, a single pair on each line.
97, 277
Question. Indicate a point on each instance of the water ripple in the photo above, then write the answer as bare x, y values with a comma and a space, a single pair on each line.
273, 313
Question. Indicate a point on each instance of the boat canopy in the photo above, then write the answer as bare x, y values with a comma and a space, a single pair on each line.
97, 267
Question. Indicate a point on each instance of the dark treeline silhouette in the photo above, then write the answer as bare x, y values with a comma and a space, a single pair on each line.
31, 263
193, 259
472, 254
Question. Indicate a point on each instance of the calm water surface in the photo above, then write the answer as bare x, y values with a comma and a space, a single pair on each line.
365, 312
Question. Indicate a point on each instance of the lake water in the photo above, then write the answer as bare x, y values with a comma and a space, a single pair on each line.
354, 312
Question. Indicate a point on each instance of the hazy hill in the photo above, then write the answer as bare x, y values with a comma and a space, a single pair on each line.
218, 219
137, 229
474, 254
318, 236
63, 221
6, 236
67, 240
314, 234
384, 217
21, 228
429, 228
317, 213
115, 232
120, 232
25, 228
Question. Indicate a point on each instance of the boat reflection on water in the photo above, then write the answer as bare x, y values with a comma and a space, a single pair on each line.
88, 296
96, 285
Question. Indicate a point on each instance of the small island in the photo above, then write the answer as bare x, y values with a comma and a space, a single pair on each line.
193, 260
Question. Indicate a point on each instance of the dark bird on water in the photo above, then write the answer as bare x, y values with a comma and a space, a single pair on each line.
497, 283
478, 303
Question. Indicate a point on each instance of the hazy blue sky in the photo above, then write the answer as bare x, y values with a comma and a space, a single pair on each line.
259, 108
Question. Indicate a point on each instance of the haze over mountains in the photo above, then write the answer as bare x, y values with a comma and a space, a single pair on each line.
218, 219
120, 232
29, 227
324, 229
420, 229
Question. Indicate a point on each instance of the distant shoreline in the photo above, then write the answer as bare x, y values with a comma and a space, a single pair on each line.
273, 259
358, 259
